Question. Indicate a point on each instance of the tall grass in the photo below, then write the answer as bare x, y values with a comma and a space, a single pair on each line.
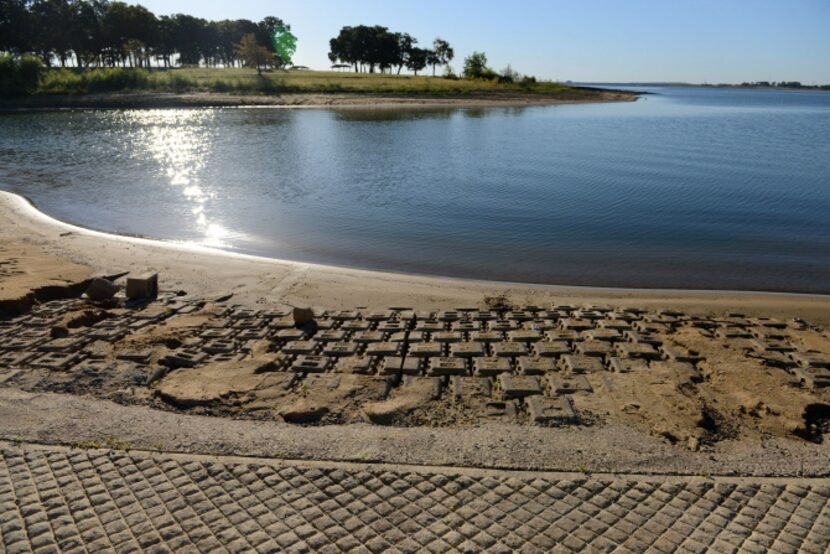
246, 81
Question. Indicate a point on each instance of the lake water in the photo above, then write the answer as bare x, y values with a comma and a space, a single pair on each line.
685, 188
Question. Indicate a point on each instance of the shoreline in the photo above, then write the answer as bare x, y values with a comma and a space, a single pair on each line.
150, 100
254, 278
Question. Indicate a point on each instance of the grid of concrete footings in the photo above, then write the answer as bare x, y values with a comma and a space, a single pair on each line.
543, 365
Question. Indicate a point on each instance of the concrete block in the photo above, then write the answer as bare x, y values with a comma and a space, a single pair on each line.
467, 350
383, 349
425, 349
536, 366
550, 410
490, 366
509, 349
310, 364
552, 349
568, 384
465, 388
145, 285
595, 348
518, 386
447, 366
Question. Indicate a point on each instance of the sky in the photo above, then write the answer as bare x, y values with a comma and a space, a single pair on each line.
696, 41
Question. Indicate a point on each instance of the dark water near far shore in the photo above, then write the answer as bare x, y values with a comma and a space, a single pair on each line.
688, 188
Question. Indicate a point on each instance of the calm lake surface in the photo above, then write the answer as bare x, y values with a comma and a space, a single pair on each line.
686, 188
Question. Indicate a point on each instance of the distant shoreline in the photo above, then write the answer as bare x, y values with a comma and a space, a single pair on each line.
318, 100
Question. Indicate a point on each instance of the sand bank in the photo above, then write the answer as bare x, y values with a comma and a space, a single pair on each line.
296, 100
34, 239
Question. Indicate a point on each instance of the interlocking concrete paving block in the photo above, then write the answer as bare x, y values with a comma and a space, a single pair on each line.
732, 333
678, 353
594, 348
331, 335
536, 366
300, 347
449, 315
345, 315
466, 326
440, 366
364, 337
813, 377
425, 349
811, 359
393, 365
468, 350
430, 326
379, 315
619, 322
55, 360
356, 325
65, 344
518, 386
551, 349
550, 410
503, 325
434, 384
16, 358
771, 345
509, 349
362, 365
491, 366
636, 350
471, 387
487, 336
581, 364
383, 349
568, 384
340, 349
447, 337
602, 334
620, 365
310, 364
291, 334
524, 335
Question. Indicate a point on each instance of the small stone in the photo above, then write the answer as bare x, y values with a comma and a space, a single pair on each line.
100, 289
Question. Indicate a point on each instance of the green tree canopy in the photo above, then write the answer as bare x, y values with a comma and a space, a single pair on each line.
285, 45
475, 65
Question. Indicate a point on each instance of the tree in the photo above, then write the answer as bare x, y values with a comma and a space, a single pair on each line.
15, 27
475, 65
284, 44
442, 53
417, 59
404, 48
253, 53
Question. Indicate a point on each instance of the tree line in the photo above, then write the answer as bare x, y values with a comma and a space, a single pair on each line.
102, 33
374, 48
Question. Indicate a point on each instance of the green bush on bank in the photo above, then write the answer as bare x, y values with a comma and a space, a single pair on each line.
19, 76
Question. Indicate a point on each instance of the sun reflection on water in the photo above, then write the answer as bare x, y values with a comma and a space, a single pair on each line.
181, 141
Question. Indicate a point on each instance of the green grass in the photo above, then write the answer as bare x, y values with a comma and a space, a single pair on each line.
246, 81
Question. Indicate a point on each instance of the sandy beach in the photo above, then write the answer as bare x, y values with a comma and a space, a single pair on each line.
297, 100
210, 272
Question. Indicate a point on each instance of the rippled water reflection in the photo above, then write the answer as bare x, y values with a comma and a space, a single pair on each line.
689, 188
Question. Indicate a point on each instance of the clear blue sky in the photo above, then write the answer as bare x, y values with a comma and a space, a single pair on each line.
581, 40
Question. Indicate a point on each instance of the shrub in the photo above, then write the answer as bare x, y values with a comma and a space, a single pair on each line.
19, 77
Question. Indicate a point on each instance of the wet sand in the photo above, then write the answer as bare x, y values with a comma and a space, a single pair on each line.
35, 239
296, 100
